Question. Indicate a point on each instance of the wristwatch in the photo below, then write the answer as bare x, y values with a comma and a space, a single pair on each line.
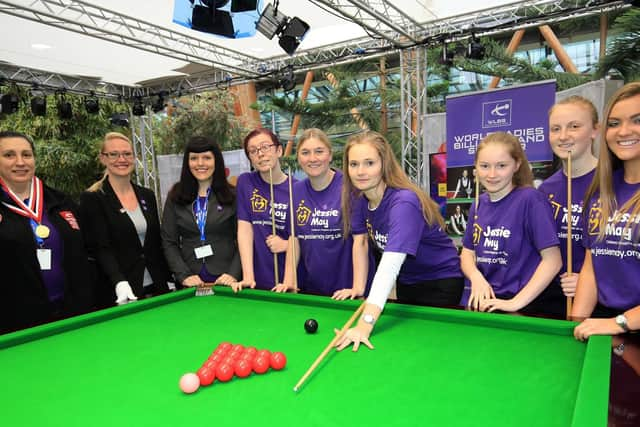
621, 320
368, 318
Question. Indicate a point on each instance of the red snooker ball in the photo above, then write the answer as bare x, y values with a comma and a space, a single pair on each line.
260, 365
263, 353
224, 346
224, 372
206, 376
242, 368
251, 351
278, 360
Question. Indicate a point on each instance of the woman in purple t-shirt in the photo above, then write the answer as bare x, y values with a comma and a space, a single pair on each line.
319, 230
256, 241
608, 284
510, 252
573, 127
404, 224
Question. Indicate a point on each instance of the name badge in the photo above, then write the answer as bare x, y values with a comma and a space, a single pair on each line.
44, 258
203, 251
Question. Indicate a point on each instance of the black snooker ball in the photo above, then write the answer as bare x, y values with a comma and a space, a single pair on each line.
311, 326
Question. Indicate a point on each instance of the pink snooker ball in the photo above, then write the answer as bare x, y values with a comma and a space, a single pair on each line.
189, 383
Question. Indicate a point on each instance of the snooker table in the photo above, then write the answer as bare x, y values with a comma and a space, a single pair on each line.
431, 366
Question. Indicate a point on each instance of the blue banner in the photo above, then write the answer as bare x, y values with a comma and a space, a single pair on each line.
520, 110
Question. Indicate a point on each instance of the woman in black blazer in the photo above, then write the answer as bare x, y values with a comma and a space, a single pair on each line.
122, 229
199, 219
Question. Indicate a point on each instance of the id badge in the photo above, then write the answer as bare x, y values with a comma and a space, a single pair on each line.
203, 251
44, 258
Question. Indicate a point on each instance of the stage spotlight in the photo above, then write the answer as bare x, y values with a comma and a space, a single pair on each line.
91, 104
212, 20
447, 57
475, 50
159, 104
271, 22
39, 105
120, 119
287, 80
292, 35
9, 103
138, 107
243, 5
65, 112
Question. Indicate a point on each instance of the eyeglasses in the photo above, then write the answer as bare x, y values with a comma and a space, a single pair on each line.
113, 155
264, 148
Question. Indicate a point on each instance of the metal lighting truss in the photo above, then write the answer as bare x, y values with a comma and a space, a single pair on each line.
413, 104
143, 148
389, 27
99, 22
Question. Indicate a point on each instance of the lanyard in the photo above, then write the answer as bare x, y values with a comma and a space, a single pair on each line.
200, 211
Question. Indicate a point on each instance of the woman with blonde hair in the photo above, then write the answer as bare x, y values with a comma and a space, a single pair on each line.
404, 225
510, 249
319, 231
608, 291
573, 128
122, 229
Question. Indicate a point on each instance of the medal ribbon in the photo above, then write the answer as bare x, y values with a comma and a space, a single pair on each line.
34, 209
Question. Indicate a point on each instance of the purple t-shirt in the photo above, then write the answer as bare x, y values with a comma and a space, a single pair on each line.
616, 259
398, 225
507, 238
555, 189
253, 206
319, 231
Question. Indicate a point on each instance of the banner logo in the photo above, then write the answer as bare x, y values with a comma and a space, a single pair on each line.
496, 113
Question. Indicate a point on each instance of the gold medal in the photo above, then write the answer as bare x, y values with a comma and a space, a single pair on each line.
42, 231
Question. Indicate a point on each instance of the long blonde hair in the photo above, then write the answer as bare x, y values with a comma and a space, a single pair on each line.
97, 186
392, 175
607, 164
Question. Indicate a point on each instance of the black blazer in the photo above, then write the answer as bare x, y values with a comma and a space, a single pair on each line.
113, 240
24, 301
180, 236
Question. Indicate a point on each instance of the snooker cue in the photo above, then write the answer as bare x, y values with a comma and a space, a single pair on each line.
293, 236
569, 231
273, 227
475, 214
338, 336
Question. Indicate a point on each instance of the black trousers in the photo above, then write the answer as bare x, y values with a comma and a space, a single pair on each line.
440, 293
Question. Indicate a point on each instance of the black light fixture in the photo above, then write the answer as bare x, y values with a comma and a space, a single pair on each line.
291, 31
65, 111
446, 58
293, 34
475, 49
138, 107
159, 104
208, 18
39, 105
271, 21
91, 104
9, 103
120, 119
243, 5
287, 80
